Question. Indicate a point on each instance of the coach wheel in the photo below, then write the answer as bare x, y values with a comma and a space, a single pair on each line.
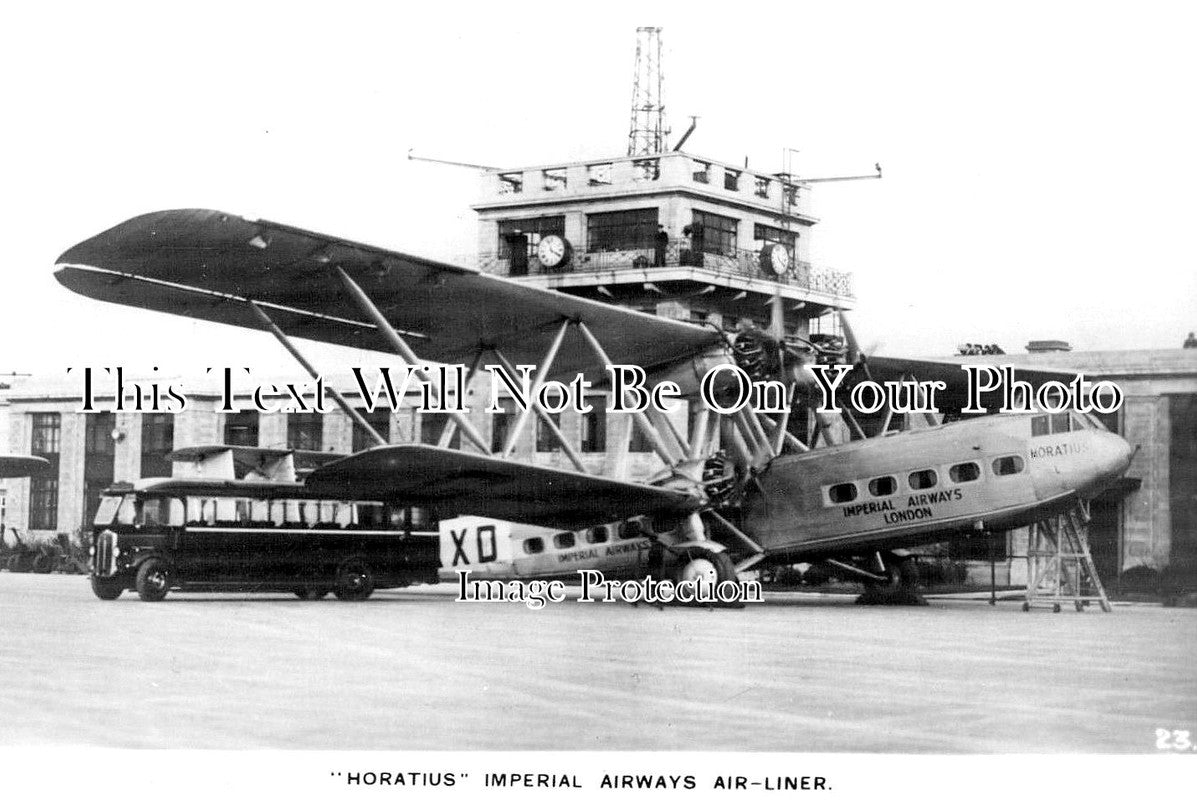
311, 594
354, 581
153, 580
107, 588
702, 566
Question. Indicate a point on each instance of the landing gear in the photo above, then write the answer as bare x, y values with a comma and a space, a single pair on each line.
899, 586
699, 565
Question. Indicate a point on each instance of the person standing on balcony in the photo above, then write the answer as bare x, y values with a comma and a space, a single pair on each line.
661, 242
694, 231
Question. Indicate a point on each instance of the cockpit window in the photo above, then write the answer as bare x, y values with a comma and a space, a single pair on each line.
1080, 422
1039, 426
1060, 423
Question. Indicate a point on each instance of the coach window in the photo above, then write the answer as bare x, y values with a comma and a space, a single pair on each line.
534, 545
963, 473
880, 487
596, 535
1060, 423
923, 479
1007, 465
842, 493
630, 530
1039, 426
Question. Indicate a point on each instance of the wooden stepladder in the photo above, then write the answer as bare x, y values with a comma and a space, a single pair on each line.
1059, 566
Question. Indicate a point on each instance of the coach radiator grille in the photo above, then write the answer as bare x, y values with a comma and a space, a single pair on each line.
105, 563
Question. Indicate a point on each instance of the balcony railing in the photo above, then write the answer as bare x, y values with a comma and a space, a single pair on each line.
738, 262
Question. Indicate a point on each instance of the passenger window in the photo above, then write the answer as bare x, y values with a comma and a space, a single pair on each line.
1007, 465
963, 473
127, 514
534, 545
1060, 423
923, 479
1039, 425
663, 525
564, 541
880, 487
842, 493
174, 512
630, 530
597, 535
151, 512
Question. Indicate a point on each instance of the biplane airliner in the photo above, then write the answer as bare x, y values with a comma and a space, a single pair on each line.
737, 490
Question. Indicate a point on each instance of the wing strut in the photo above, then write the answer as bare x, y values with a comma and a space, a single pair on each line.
548, 421
405, 352
303, 362
545, 365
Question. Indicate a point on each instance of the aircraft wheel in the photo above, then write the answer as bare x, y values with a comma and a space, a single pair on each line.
903, 572
702, 566
311, 594
1026, 606
1056, 608
354, 581
153, 580
107, 588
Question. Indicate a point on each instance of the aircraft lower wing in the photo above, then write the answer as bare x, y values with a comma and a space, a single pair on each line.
455, 483
22, 466
206, 264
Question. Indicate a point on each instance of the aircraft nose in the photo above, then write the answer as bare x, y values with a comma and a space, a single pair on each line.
1116, 454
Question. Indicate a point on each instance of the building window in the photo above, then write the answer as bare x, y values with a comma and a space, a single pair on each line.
646, 169
762, 186
46, 441
598, 174
702, 172
554, 179
532, 230
433, 425
767, 234
511, 182
717, 234
241, 428
546, 441
622, 230
380, 421
99, 451
731, 180
500, 424
305, 431
638, 442
157, 440
594, 429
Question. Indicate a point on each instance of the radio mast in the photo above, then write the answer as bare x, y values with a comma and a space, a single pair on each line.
648, 131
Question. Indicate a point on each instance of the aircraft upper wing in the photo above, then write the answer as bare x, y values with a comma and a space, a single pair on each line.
204, 264
454, 483
889, 368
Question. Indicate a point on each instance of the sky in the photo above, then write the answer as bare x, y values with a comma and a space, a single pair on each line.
1038, 174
